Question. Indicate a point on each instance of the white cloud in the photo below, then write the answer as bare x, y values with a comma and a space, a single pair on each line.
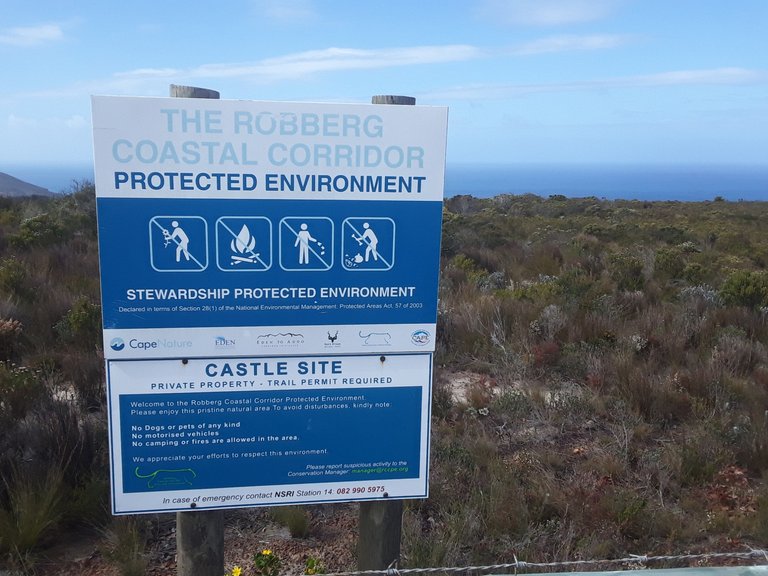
14, 121
711, 76
150, 73
571, 43
31, 35
289, 11
546, 12
310, 62
714, 76
75, 122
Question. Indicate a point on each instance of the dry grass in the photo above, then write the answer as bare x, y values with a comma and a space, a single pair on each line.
640, 384
619, 359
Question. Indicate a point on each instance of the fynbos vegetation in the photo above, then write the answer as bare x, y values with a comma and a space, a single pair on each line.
617, 400
601, 384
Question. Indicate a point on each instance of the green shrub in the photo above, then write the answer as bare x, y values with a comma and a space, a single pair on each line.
542, 291
473, 272
81, 325
124, 546
670, 234
670, 263
627, 271
42, 230
575, 284
21, 390
701, 454
10, 337
746, 288
33, 510
694, 273
14, 279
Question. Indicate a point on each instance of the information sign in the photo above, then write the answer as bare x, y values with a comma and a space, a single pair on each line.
269, 294
267, 227
222, 432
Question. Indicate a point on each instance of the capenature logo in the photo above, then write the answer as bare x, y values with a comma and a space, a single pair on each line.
117, 344
420, 337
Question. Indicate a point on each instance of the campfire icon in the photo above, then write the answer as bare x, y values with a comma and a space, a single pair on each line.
243, 243
242, 247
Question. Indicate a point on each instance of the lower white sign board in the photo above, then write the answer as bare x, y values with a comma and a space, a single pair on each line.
238, 432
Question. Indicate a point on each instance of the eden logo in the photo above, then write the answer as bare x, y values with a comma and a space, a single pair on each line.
223, 342
117, 344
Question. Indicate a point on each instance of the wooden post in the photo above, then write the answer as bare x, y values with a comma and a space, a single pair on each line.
404, 100
199, 534
380, 528
200, 543
380, 523
178, 91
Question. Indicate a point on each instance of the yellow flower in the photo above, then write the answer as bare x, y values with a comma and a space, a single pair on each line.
266, 552
236, 571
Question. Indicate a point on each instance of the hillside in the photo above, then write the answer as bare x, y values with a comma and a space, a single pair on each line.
13, 187
600, 390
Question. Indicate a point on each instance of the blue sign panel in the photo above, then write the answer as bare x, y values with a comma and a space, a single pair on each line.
267, 437
299, 263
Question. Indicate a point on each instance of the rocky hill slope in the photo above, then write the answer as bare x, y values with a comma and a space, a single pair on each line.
10, 186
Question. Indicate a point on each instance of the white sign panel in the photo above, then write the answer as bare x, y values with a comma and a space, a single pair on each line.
234, 432
263, 227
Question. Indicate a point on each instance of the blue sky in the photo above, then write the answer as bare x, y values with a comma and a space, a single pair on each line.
575, 81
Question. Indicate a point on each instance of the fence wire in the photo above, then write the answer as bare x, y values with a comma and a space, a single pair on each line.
633, 562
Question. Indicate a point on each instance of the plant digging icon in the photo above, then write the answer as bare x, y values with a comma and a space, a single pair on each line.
242, 247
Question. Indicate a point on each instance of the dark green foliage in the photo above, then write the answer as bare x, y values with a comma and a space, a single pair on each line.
81, 326
627, 271
694, 273
39, 231
746, 288
670, 263
14, 279
671, 235
21, 390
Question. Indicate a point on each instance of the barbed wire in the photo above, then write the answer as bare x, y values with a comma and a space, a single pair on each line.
519, 566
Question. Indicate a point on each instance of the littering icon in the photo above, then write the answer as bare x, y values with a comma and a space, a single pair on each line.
306, 243
303, 238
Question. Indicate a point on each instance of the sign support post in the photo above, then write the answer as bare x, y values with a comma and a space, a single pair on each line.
380, 523
199, 534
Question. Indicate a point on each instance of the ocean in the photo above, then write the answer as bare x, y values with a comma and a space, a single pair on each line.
629, 182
